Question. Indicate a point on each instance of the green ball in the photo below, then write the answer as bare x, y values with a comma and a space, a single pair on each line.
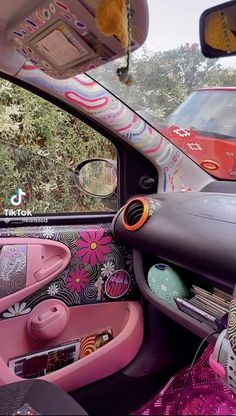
165, 283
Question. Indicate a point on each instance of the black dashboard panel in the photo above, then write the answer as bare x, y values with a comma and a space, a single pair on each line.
215, 207
228, 187
194, 230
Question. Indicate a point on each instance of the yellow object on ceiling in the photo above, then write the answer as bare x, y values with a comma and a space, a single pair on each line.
111, 18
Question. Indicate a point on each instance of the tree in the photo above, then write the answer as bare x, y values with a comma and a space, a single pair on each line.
164, 79
220, 77
41, 147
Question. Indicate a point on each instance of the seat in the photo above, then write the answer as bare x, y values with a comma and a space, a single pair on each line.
203, 394
43, 397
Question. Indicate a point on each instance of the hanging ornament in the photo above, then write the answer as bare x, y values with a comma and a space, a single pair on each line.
123, 73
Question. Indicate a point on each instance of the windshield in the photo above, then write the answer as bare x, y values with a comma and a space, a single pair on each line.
167, 71
210, 113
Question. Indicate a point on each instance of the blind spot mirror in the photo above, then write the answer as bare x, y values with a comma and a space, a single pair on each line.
218, 30
97, 177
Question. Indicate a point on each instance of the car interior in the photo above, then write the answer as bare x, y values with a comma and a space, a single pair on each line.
128, 306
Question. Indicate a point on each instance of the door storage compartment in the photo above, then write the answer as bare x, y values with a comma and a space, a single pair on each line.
125, 319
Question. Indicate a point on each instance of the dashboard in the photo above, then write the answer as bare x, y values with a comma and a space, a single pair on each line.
193, 232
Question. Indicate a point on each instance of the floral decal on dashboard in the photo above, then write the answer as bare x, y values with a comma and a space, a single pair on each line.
100, 270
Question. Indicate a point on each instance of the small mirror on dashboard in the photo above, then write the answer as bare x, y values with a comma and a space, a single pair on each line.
218, 30
97, 177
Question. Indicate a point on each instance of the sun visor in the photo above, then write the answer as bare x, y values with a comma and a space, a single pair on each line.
64, 38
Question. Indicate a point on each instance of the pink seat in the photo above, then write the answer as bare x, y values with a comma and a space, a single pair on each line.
204, 394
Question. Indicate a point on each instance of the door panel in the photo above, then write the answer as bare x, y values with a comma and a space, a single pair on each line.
27, 264
100, 270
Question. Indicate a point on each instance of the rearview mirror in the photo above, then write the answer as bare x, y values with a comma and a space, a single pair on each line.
218, 30
97, 177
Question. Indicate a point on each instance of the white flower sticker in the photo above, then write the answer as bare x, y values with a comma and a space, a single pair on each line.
48, 232
53, 289
107, 269
17, 310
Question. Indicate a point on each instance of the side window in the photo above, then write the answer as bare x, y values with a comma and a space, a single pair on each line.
41, 148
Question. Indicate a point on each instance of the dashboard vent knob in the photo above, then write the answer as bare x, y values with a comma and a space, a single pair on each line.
135, 214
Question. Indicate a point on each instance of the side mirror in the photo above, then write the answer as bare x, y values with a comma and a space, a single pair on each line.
97, 177
218, 30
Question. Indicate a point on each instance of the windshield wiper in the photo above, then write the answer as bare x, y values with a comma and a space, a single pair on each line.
213, 134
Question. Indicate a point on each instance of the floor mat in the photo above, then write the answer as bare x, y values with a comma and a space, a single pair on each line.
204, 394
119, 394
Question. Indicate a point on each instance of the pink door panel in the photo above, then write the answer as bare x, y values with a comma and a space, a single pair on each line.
99, 270
76, 283
26, 265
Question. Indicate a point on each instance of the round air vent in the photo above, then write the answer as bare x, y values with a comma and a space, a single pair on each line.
135, 214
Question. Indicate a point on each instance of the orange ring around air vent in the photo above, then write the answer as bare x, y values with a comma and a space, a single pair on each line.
142, 220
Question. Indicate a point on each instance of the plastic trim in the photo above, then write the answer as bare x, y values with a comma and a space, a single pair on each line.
143, 218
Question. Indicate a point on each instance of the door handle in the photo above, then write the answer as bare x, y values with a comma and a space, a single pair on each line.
49, 267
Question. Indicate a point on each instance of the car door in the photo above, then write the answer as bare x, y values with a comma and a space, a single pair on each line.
67, 287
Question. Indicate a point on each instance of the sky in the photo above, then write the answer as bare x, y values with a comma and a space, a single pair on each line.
175, 22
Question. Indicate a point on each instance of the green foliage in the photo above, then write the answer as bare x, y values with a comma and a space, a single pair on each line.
40, 148
164, 79
221, 77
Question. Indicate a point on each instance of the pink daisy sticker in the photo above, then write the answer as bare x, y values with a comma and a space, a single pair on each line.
93, 246
77, 280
